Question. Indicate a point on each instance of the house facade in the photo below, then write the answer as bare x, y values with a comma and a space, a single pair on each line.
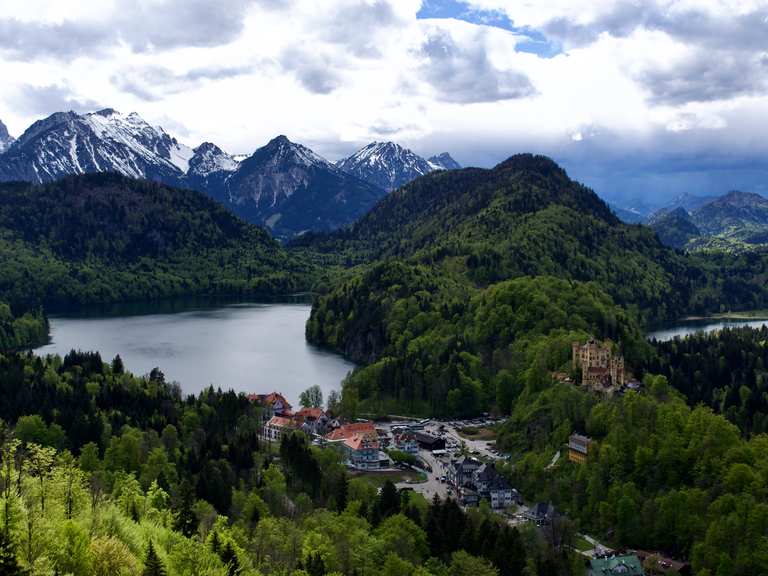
313, 421
492, 486
578, 448
277, 427
273, 404
461, 472
406, 442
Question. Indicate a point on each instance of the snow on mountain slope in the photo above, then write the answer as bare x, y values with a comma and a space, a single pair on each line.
291, 189
5, 139
67, 143
388, 165
443, 161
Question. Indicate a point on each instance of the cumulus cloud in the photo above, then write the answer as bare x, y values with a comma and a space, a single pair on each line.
42, 100
315, 71
152, 83
463, 73
29, 40
145, 25
727, 40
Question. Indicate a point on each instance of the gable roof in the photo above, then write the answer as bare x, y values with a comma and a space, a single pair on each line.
363, 440
624, 565
281, 422
349, 430
311, 413
270, 399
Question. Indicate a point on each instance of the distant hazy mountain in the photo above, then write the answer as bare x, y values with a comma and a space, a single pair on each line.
390, 166
674, 228
290, 189
737, 221
734, 210
5, 139
67, 143
628, 215
689, 201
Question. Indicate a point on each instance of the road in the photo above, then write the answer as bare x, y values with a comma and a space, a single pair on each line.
439, 465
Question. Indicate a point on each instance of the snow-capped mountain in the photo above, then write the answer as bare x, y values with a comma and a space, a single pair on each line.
5, 139
443, 161
290, 189
284, 186
67, 143
387, 165
209, 168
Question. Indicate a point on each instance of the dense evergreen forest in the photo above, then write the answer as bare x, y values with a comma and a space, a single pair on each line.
28, 329
106, 473
726, 370
106, 238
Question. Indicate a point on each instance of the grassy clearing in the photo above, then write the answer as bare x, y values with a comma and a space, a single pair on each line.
473, 433
379, 478
581, 544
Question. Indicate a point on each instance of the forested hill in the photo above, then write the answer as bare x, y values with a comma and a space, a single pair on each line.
104, 237
525, 217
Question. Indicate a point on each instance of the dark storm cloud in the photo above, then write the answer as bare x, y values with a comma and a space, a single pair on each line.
708, 76
171, 24
42, 100
464, 74
152, 83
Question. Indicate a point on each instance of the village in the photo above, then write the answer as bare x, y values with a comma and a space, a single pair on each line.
452, 464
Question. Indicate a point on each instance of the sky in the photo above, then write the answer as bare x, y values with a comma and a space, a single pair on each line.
641, 100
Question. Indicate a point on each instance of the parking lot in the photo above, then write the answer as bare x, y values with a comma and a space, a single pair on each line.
448, 430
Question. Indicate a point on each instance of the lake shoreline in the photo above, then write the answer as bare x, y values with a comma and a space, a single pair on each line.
745, 315
246, 346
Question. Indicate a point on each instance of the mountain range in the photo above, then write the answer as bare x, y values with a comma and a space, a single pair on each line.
736, 221
284, 186
390, 166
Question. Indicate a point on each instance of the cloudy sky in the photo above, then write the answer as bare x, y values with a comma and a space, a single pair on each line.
642, 100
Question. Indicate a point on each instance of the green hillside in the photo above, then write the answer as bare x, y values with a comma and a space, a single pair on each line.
104, 238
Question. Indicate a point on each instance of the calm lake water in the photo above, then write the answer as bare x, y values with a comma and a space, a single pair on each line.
248, 347
687, 327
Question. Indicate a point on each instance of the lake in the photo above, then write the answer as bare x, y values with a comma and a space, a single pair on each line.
249, 347
686, 327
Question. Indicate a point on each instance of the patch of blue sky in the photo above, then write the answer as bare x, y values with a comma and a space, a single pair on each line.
536, 42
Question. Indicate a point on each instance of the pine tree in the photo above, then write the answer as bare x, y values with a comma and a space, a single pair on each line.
186, 521
229, 557
9, 565
342, 492
315, 565
152, 565
216, 543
